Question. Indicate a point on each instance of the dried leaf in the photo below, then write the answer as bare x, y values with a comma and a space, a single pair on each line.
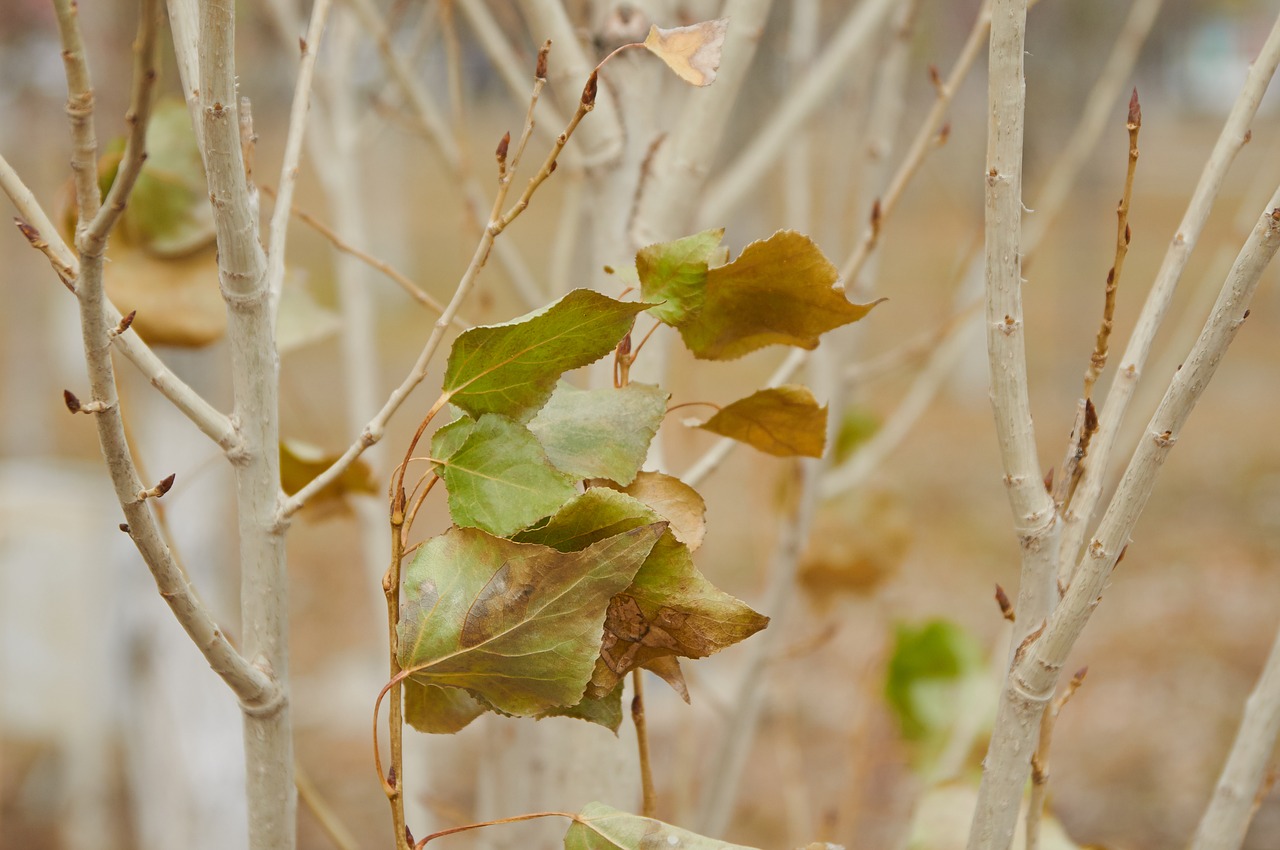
603, 711
300, 462
693, 52
785, 421
515, 624
780, 291
674, 501
601, 827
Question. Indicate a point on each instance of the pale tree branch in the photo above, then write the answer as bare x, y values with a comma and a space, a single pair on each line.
433, 125
1226, 820
1040, 657
1034, 515
184, 27
264, 591
251, 685
853, 37
1234, 135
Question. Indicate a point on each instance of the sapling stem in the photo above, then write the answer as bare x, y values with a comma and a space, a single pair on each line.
649, 804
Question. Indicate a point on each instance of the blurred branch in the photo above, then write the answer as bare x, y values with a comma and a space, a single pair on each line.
827, 71
1235, 134
1040, 760
1226, 820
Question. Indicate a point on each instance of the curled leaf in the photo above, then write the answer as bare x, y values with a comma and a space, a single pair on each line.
674, 501
785, 421
693, 52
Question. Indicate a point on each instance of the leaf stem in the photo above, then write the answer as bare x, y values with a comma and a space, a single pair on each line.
649, 805
513, 819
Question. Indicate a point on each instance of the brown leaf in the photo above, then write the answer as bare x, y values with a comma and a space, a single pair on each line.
693, 52
667, 668
784, 421
674, 501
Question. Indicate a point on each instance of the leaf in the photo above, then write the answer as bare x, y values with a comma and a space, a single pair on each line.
516, 624
858, 425
669, 609
300, 462
512, 368
667, 668
927, 665
499, 478
602, 433
693, 52
603, 711
674, 501
601, 827
784, 421
439, 711
777, 292
675, 273
301, 320
447, 439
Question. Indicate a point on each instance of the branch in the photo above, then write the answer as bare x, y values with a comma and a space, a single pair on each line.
251, 685
1040, 759
1234, 135
1234, 801
827, 71
1041, 656
279, 229
497, 223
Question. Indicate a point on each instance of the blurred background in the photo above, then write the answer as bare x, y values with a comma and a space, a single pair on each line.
114, 735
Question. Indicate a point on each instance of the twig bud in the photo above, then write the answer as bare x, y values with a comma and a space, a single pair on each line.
504, 145
159, 490
589, 91
124, 526
1006, 607
73, 403
125, 322
29, 233
540, 72
1135, 111
1048, 480
935, 77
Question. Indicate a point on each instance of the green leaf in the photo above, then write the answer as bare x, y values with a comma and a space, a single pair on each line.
857, 426
603, 711
675, 273
516, 624
777, 292
669, 609
447, 439
499, 478
928, 665
512, 368
602, 433
785, 421
439, 711
601, 827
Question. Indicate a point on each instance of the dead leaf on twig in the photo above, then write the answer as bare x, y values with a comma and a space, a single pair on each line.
693, 52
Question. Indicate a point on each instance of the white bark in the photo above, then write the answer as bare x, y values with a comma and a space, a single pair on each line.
1039, 661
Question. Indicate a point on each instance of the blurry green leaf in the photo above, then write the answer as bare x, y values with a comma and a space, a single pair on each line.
778, 291
928, 664
857, 426
675, 273
516, 624
512, 368
300, 462
693, 52
669, 610
439, 711
602, 433
943, 815
601, 827
168, 213
674, 501
499, 478
783, 421
301, 320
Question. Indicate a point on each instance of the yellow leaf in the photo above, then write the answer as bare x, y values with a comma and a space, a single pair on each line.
693, 52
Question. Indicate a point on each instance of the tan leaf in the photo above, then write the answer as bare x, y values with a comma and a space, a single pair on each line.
674, 501
783, 421
300, 462
177, 300
667, 668
693, 52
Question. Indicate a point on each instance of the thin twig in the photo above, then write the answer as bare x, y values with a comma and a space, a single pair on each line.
1040, 759
328, 819
649, 805
1234, 135
398, 277
279, 228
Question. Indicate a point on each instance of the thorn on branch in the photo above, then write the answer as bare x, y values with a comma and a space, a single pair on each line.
1006, 607
159, 490
540, 71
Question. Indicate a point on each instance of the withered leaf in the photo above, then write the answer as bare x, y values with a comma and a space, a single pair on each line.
693, 52
674, 501
784, 421
601, 827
